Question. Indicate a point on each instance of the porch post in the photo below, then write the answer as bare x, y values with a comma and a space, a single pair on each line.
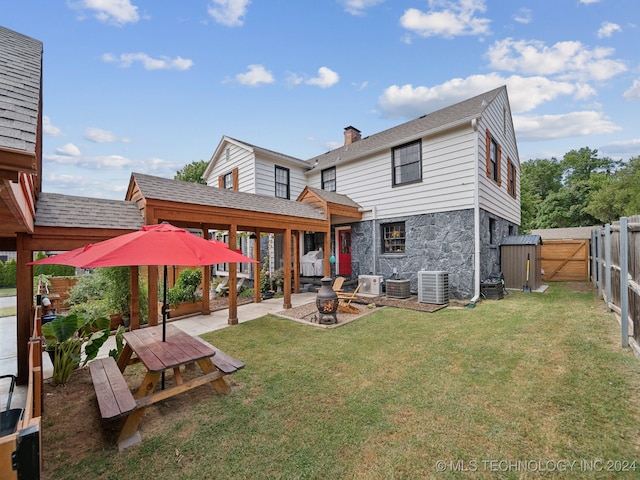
134, 301
257, 271
24, 292
296, 261
233, 279
327, 253
287, 269
152, 277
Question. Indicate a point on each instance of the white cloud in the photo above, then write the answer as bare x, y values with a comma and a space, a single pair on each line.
326, 78
293, 79
633, 92
587, 2
158, 166
256, 75
68, 150
357, 7
525, 93
98, 135
566, 60
623, 149
89, 162
457, 19
607, 29
125, 60
116, 12
523, 16
49, 129
573, 124
229, 12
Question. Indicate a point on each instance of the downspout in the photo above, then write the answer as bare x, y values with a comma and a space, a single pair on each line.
373, 235
476, 220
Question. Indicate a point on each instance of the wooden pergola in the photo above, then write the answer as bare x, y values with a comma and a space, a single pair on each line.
64, 223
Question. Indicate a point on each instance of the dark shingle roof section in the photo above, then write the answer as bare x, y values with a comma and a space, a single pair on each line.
521, 240
20, 75
58, 210
333, 197
467, 109
158, 188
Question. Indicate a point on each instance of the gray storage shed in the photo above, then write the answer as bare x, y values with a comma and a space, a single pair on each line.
514, 251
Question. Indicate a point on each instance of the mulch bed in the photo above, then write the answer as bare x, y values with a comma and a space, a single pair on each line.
410, 303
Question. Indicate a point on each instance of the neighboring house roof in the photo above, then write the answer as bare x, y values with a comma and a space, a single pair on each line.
460, 112
58, 210
521, 240
158, 188
571, 233
20, 73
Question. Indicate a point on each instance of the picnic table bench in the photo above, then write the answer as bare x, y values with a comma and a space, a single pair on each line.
114, 396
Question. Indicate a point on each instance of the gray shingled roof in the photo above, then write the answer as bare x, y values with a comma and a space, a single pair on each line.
158, 188
58, 210
467, 109
333, 197
20, 75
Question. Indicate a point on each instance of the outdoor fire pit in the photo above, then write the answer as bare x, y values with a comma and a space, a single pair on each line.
327, 303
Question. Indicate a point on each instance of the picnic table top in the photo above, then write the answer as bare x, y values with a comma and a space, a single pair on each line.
179, 348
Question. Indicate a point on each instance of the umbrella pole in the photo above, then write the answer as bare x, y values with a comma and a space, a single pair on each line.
164, 313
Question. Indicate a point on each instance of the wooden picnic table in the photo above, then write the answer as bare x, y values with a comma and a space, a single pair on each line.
178, 350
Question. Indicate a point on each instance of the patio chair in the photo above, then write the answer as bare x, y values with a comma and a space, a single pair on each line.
345, 299
337, 284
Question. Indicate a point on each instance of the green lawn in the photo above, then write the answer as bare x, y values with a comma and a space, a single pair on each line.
533, 381
7, 311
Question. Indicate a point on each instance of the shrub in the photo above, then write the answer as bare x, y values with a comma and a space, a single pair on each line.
185, 288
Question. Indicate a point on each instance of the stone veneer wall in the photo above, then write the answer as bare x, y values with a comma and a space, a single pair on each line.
437, 242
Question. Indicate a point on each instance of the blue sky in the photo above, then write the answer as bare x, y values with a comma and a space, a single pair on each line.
152, 85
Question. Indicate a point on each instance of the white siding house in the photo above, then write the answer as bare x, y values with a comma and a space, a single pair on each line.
252, 169
436, 193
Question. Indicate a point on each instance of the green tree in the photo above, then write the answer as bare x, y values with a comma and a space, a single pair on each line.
619, 195
559, 193
539, 179
581, 165
543, 176
193, 172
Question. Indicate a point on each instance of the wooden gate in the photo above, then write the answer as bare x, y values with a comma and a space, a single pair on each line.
565, 260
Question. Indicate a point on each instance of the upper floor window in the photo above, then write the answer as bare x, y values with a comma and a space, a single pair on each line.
407, 163
282, 182
511, 171
228, 181
493, 155
393, 238
329, 179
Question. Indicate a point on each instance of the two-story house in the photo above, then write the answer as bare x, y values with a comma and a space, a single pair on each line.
435, 193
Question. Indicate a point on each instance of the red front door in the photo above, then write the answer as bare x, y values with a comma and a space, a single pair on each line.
344, 253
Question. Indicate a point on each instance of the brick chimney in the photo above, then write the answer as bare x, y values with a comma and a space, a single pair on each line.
351, 134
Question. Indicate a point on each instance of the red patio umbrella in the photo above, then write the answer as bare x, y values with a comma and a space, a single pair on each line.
162, 244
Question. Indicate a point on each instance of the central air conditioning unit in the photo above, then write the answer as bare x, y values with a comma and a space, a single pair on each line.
370, 285
433, 287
